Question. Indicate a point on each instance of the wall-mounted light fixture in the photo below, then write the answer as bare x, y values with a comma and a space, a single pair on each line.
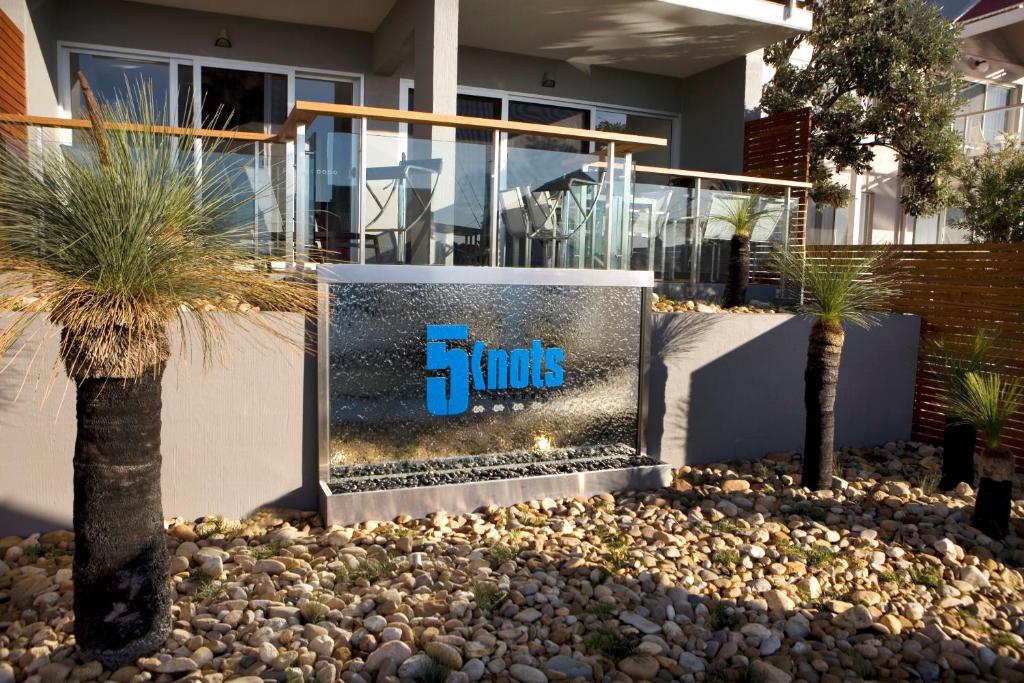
548, 81
979, 65
222, 39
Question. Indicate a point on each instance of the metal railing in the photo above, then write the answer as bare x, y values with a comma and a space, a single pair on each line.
990, 128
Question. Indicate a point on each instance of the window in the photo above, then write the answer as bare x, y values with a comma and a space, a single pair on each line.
551, 115
113, 78
989, 113
639, 124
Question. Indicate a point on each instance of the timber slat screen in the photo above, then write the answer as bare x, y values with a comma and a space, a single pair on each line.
13, 99
959, 289
779, 146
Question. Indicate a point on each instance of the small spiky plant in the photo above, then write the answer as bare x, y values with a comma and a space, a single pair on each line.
989, 401
743, 215
846, 287
956, 361
117, 241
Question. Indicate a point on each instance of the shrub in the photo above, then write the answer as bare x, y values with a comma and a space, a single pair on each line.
614, 646
488, 597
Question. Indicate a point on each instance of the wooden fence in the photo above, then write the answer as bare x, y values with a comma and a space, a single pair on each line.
13, 98
959, 289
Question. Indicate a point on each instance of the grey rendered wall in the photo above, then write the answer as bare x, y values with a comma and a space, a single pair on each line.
237, 435
715, 105
726, 387
156, 28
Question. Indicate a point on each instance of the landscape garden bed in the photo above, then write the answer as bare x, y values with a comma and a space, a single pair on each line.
734, 573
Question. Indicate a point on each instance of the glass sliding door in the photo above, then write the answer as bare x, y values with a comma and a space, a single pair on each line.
330, 153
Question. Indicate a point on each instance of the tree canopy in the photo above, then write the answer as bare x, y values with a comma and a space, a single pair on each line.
880, 75
992, 195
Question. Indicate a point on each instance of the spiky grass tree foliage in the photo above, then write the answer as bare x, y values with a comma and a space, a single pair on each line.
956, 362
117, 241
843, 287
743, 215
989, 401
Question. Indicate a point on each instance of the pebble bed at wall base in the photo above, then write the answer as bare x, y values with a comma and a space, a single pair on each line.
446, 388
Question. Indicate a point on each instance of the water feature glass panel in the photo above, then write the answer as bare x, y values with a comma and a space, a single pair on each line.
511, 373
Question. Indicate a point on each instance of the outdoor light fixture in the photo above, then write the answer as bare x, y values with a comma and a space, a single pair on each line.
979, 65
222, 39
548, 82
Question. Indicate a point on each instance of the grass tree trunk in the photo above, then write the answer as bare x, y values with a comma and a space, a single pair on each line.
739, 272
957, 453
820, 380
995, 488
122, 584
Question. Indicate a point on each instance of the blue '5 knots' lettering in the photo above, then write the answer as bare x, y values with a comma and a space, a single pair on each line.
516, 369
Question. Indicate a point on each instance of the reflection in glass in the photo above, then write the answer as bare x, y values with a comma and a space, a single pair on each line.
117, 78
638, 124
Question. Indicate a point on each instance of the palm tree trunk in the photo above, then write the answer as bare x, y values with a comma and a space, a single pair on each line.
820, 379
957, 453
739, 272
995, 487
122, 583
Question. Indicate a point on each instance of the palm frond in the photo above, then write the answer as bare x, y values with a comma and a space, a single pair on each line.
116, 249
955, 361
744, 214
853, 287
988, 401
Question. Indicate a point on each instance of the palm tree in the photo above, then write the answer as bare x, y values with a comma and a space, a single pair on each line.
838, 288
959, 436
988, 401
119, 241
743, 215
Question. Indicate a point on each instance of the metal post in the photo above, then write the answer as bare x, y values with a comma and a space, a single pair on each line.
361, 188
786, 213
695, 239
609, 217
495, 170
290, 168
627, 210
302, 181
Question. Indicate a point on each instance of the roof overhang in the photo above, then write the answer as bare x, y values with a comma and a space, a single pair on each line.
668, 37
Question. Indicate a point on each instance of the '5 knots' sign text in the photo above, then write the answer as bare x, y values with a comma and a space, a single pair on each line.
448, 394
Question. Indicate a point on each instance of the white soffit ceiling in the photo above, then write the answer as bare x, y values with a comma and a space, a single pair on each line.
355, 15
668, 37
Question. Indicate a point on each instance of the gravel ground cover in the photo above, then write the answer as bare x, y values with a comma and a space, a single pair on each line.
733, 574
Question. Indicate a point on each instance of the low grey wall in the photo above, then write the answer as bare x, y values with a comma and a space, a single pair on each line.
730, 386
237, 435
241, 434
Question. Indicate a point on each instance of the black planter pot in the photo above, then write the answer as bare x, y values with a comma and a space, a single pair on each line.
992, 508
957, 453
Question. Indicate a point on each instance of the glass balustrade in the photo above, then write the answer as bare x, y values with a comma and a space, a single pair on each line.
458, 197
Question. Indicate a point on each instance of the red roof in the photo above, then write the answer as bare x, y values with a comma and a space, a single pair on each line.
984, 7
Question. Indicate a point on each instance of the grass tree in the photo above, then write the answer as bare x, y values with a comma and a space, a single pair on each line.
989, 401
743, 215
839, 288
957, 361
121, 242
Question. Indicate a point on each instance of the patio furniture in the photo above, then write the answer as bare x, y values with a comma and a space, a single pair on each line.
402, 188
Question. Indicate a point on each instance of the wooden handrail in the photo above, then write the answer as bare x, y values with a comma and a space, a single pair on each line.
305, 113
658, 170
53, 122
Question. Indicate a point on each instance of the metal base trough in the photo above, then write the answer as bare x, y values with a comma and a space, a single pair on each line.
352, 508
